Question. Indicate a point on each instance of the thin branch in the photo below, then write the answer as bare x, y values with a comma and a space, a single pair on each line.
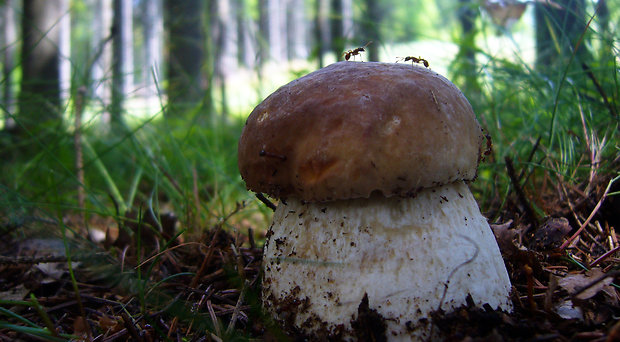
596, 208
604, 256
610, 106
519, 190
266, 201
233, 319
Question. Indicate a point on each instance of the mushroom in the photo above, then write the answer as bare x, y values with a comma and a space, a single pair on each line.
370, 163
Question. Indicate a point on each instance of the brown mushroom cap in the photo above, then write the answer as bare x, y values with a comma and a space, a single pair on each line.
351, 129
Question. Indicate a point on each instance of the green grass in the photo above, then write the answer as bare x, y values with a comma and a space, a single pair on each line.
187, 165
558, 127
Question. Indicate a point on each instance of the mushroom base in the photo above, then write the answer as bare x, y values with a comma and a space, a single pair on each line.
409, 256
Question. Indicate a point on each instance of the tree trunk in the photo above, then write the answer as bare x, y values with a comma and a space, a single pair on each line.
122, 64
152, 22
341, 26
39, 103
466, 68
338, 39
247, 51
64, 48
467, 18
559, 26
347, 19
277, 29
321, 30
263, 28
370, 29
296, 28
185, 24
224, 34
102, 53
9, 43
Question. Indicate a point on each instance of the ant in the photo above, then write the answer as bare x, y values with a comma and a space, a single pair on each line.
417, 60
347, 55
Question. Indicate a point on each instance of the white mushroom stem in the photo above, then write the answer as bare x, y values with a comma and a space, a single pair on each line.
411, 256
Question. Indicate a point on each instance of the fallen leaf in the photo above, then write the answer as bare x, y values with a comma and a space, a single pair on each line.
574, 283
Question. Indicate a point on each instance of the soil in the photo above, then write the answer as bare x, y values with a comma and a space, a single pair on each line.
208, 287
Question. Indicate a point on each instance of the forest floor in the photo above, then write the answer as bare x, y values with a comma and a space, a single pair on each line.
208, 287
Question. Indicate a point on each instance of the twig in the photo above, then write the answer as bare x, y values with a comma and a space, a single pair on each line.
206, 295
173, 326
551, 287
604, 256
520, 194
251, 238
239, 260
129, 325
267, 202
196, 217
610, 107
596, 208
529, 273
116, 336
233, 319
216, 322
207, 259
530, 157
168, 250
571, 207
5, 260
79, 157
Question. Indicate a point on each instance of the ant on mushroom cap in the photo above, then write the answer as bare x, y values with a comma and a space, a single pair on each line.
419, 60
355, 52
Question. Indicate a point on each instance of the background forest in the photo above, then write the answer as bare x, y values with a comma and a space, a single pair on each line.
120, 122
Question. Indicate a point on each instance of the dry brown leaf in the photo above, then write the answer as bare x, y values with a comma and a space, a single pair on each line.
110, 324
576, 282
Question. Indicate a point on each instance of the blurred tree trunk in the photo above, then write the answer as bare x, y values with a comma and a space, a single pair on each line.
559, 26
275, 25
322, 30
347, 19
153, 24
606, 34
64, 48
224, 33
297, 28
263, 29
465, 66
39, 98
122, 63
102, 53
341, 26
338, 39
370, 29
186, 27
247, 36
9, 48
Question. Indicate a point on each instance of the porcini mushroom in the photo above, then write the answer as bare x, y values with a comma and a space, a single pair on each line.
370, 162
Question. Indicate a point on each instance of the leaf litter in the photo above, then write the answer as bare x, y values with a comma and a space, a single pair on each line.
207, 287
